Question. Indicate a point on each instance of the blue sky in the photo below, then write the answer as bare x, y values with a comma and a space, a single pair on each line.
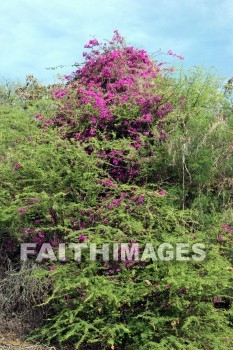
35, 34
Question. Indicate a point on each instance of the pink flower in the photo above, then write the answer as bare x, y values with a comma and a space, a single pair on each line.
160, 112
76, 136
54, 243
48, 121
92, 131
147, 118
93, 120
33, 200
82, 238
136, 145
41, 234
162, 192
59, 94
17, 166
30, 230
170, 53
140, 200
220, 238
158, 98
38, 116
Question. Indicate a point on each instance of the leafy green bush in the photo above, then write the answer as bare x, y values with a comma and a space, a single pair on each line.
151, 171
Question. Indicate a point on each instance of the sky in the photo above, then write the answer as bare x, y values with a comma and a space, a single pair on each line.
38, 34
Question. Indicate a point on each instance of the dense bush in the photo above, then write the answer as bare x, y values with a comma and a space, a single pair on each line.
124, 151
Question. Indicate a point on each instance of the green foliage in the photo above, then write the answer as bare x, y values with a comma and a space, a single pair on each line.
52, 190
198, 154
148, 305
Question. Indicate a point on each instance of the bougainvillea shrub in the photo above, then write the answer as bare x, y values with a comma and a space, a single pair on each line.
116, 104
111, 158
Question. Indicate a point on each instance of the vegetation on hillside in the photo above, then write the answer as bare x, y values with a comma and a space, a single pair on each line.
123, 151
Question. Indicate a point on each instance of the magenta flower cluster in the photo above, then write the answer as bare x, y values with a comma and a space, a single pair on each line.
114, 95
226, 231
115, 100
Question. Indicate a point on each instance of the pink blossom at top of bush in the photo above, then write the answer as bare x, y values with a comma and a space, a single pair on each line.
114, 94
113, 75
